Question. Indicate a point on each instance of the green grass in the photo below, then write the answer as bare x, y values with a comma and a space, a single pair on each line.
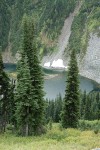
55, 139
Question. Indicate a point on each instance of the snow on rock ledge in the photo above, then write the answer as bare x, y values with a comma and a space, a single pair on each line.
58, 64
55, 64
47, 64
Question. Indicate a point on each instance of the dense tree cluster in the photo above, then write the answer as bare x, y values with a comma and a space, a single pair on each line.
23, 106
6, 98
90, 106
84, 23
49, 17
53, 109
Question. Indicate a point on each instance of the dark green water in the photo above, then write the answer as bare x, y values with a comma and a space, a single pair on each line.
54, 86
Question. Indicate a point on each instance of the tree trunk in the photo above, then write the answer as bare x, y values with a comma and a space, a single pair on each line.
27, 125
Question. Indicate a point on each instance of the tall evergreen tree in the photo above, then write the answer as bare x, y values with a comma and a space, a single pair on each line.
4, 97
92, 108
87, 115
58, 108
11, 102
53, 109
29, 96
70, 112
31, 51
25, 105
83, 104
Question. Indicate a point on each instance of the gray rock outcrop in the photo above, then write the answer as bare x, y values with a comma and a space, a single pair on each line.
90, 65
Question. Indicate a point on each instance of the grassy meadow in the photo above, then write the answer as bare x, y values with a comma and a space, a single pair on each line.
54, 139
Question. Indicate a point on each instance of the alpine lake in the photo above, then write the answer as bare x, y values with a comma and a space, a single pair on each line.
55, 81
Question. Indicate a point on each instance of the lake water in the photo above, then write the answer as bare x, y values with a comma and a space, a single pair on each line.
55, 82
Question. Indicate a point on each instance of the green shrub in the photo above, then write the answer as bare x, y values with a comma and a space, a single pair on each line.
89, 125
50, 123
9, 128
57, 135
96, 131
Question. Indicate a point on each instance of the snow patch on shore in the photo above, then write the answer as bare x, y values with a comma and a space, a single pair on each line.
58, 64
55, 64
47, 64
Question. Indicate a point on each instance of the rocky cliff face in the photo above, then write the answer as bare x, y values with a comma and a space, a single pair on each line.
90, 65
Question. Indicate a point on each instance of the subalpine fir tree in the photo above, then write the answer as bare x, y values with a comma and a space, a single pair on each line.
30, 86
83, 104
37, 82
25, 104
11, 103
4, 97
57, 108
31, 51
93, 109
88, 110
70, 112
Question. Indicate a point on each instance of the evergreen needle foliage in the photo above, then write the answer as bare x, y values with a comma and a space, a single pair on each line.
6, 98
29, 95
35, 72
70, 113
24, 99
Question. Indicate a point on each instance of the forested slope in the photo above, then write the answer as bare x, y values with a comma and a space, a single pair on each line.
58, 29
4, 23
48, 16
87, 21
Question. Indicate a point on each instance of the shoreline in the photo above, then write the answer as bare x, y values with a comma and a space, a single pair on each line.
65, 70
59, 69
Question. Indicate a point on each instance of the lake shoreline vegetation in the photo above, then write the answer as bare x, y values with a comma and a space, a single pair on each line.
27, 120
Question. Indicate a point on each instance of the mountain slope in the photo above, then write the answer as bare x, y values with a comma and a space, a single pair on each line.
63, 38
48, 16
60, 26
84, 39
